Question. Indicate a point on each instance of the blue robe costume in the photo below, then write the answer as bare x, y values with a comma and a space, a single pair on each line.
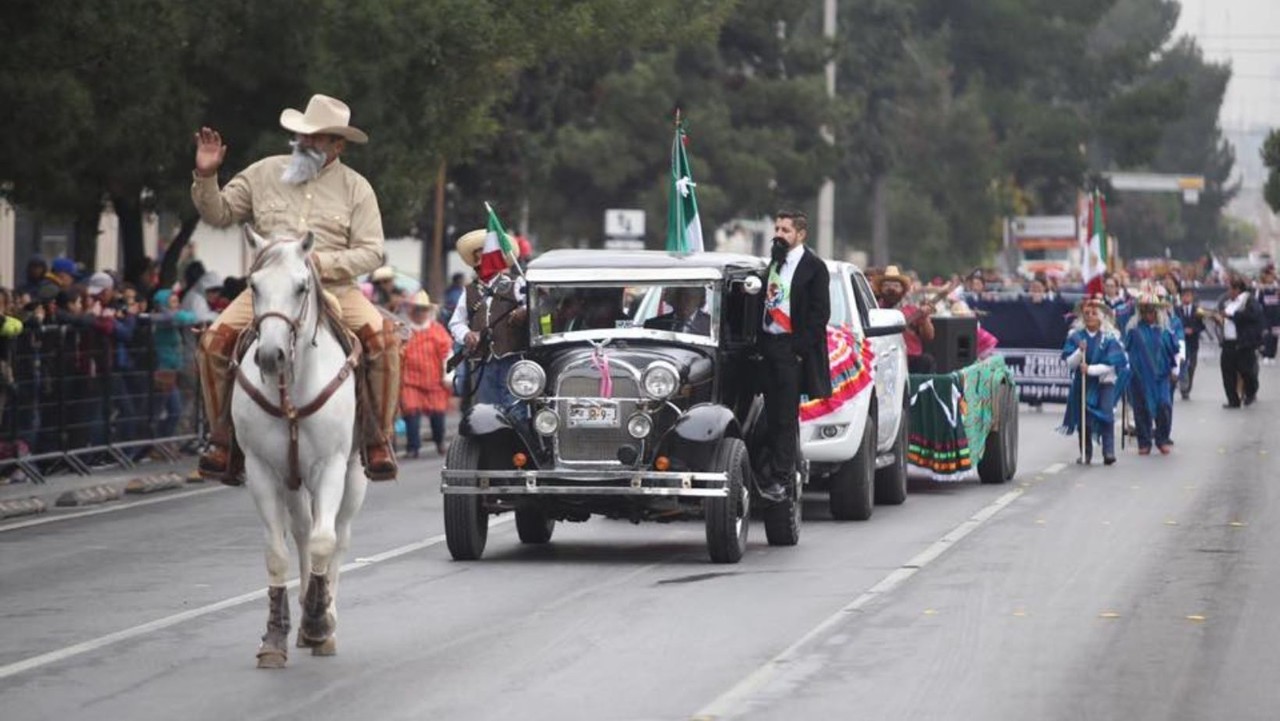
1102, 347
1152, 354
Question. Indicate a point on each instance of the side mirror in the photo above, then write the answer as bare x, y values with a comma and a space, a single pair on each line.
885, 321
752, 285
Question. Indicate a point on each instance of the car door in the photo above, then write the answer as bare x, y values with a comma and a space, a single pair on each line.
890, 364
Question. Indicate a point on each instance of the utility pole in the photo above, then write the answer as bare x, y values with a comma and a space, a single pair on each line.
827, 195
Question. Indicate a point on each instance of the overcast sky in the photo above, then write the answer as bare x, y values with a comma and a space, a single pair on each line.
1247, 33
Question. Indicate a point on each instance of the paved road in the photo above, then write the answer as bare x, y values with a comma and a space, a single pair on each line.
1140, 591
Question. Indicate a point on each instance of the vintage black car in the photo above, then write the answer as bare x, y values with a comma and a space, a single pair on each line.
628, 408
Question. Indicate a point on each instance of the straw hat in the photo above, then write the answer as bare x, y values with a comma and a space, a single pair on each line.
324, 116
468, 244
893, 273
386, 272
421, 300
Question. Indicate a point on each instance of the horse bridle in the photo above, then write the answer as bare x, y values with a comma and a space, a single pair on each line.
286, 408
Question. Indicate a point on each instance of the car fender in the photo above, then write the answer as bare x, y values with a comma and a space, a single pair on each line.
485, 421
705, 423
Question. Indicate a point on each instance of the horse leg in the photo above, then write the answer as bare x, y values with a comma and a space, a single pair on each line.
300, 526
273, 651
352, 500
322, 543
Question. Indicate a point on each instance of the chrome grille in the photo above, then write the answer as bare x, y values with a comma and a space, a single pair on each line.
594, 445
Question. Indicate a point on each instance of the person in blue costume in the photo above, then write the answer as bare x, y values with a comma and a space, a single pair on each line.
1093, 347
1118, 300
1153, 360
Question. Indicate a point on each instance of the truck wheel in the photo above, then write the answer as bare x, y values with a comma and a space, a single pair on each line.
533, 525
466, 522
853, 485
1011, 435
891, 481
728, 519
994, 466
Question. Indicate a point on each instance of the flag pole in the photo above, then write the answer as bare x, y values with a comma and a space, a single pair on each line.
1084, 404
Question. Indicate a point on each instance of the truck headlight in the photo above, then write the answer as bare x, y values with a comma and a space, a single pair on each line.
526, 379
660, 380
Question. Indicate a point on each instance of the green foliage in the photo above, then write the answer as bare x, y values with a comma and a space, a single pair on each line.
1271, 158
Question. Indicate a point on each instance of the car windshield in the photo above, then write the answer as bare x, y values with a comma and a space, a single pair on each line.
591, 310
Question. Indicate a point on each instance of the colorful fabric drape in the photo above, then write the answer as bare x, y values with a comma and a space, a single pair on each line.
951, 417
851, 359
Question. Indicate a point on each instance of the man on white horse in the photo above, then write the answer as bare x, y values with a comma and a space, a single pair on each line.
308, 191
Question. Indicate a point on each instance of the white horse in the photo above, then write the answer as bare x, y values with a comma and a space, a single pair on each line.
294, 410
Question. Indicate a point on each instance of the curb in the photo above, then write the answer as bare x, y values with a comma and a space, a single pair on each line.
90, 495
22, 507
151, 484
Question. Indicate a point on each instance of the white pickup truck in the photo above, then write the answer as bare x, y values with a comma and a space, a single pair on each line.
856, 441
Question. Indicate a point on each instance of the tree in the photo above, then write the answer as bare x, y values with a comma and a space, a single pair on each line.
1271, 158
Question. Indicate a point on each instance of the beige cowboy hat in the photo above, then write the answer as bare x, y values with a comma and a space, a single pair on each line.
468, 244
324, 116
895, 274
421, 300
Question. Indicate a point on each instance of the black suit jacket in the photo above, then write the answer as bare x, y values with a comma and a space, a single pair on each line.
810, 313
1248, 322
701, 322
1191, 322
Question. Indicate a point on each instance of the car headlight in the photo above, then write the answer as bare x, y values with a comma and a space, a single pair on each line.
526, 379
639, 425
659, 380
546, 422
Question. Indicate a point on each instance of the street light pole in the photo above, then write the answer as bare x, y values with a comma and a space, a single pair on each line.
827, 195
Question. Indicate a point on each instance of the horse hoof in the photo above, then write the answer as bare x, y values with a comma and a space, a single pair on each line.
327, 647
272, 658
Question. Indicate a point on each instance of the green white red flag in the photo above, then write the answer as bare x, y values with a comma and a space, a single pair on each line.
684, 227
497, 247
1093, 269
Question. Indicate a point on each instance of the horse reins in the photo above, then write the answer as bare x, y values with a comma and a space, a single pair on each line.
286, 408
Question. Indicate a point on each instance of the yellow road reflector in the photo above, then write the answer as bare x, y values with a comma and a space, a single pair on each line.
1170, 522
1039, 521
930, 612
1108, 614
1197, 618
1020, 613
1237, 524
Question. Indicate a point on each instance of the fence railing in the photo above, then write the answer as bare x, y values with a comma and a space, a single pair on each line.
84, 395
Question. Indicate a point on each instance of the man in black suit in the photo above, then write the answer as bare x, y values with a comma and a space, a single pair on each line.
793, 343
686, 315
1241, 336
1192, 329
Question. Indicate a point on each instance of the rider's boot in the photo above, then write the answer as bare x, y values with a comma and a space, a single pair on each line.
217, 346
382, 364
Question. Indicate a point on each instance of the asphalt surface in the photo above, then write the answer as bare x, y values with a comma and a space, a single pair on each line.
1144, 590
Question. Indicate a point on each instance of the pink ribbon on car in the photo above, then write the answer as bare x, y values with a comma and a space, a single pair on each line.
600, 361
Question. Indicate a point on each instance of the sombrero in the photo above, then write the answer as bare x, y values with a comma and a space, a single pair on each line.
421, 300
468, 244
386, 272
324, 116
893, 273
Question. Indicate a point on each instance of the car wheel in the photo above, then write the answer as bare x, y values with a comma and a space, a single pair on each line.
533, 525
728, 519
1011, 435
993, 468
782, 520
853, 485
891, 481
466, 522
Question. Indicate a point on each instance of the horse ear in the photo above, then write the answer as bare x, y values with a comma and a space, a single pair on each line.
255, 241
308, 242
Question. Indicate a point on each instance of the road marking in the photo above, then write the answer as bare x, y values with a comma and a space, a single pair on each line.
63, 654
738, 699
1196, 618
108, 509
1055, 468
1108, 614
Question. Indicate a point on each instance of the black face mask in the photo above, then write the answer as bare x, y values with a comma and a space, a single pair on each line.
779, 251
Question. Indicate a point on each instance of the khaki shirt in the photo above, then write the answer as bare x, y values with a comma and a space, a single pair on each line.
338, 206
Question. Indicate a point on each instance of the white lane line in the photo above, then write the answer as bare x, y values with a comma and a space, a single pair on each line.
62, 654
738, 699
1055, 468
54, 518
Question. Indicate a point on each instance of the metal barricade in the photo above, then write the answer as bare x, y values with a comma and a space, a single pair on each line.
82, 396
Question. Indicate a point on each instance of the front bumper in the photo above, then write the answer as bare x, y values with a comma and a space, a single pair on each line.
584, 483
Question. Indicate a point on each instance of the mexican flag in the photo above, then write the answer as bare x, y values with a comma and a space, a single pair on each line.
497, 247
684, 227
1093, 269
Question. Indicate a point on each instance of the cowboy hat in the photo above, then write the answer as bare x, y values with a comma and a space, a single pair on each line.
468, 244
421, 300
893, 273
324, 116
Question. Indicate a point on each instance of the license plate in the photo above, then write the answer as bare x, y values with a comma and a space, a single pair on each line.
593, 415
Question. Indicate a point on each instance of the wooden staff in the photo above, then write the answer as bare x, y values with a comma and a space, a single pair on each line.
1084, 404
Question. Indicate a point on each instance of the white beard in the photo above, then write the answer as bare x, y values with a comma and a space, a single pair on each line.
305, 164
